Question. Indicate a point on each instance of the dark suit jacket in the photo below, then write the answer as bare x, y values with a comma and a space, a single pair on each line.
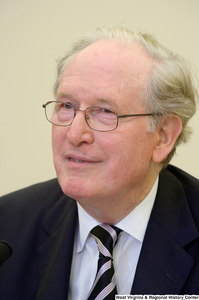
40, 223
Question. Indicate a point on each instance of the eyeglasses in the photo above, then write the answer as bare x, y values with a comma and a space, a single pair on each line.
97, 117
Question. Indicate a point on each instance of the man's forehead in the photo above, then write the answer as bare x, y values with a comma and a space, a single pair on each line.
112, 57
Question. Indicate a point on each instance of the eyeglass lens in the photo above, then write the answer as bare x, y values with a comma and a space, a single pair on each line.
97, 118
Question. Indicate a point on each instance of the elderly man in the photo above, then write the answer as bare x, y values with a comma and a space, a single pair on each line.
119, 219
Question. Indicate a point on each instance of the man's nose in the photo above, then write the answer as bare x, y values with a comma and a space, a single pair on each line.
79, 132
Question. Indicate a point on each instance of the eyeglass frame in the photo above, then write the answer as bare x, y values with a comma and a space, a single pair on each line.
117, 115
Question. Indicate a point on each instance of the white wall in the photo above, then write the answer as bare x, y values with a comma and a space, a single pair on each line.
34, 33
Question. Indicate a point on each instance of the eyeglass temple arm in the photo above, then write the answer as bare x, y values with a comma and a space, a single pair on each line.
139, 115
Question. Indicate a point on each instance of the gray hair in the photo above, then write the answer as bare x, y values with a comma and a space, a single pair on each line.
170, 89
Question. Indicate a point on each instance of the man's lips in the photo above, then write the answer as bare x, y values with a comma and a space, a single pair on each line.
80, 159
76, 160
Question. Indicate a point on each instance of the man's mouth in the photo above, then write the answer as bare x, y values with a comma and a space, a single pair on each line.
77, 160
80, 159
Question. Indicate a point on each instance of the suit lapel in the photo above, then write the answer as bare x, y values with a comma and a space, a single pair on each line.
164, 264
55, 254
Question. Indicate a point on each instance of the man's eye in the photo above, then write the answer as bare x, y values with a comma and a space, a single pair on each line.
68, 105
106, 110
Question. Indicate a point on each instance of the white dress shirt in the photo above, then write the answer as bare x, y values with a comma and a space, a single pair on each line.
125, 254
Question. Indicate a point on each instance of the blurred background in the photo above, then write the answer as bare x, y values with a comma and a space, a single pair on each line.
34, 33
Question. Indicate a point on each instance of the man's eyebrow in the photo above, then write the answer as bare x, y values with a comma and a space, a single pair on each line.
63, 95
107, 101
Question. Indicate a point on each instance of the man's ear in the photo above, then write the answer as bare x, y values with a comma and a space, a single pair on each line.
168, 131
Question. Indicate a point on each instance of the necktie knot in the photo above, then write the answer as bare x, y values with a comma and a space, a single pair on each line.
106, 237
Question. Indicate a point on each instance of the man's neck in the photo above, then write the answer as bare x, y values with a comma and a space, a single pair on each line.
113, 209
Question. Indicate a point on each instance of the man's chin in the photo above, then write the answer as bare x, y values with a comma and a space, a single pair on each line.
76, 189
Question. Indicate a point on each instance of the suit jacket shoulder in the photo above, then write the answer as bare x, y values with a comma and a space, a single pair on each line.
32, 195
34, 220
190, 185
169, 259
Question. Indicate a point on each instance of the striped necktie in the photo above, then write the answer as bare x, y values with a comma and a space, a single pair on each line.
104, 286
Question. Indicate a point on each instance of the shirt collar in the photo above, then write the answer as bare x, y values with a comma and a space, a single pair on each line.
134, 223
86, 224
